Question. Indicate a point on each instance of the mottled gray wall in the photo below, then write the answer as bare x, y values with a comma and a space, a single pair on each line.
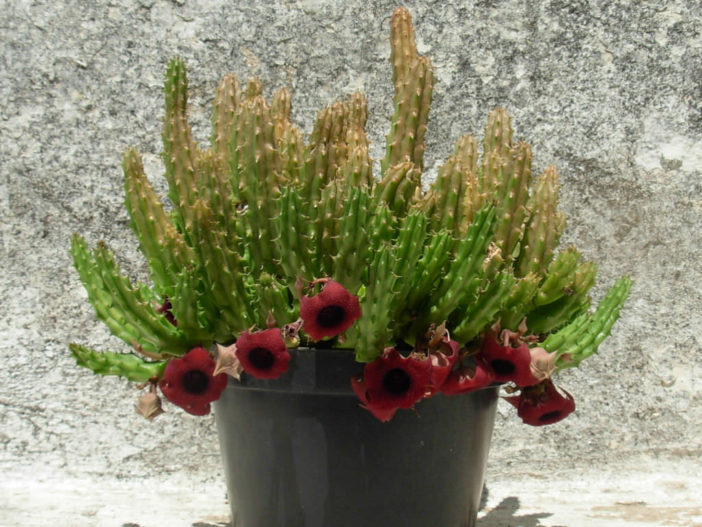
607, 91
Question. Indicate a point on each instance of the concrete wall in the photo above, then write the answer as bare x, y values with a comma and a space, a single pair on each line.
609, 92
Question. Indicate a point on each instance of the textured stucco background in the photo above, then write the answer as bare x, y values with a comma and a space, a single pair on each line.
609, 92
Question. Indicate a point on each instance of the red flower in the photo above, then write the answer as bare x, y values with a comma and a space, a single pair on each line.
166, 310
263, 354
542, 404
394, 381
189, 382
359, 388
507, 362
329, 313
442, 362
468, 377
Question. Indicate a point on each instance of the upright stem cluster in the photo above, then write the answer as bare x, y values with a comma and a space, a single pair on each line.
261, 208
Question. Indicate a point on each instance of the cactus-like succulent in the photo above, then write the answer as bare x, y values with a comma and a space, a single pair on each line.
264, 222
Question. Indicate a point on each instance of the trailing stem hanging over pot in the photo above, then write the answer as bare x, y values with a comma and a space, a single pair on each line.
275, 241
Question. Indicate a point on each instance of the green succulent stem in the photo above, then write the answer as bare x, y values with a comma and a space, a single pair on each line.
261, 208
582, 337
127, 365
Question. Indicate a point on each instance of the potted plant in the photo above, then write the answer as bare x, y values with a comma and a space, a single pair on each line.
354, 331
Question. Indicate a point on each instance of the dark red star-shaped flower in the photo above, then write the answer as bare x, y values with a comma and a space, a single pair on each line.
189, 382
263, 354
359, 387
329, 313
394, 381
542, 404
509, 364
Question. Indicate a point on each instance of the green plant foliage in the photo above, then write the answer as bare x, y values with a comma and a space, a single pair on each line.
127, 365
261, 208
581, 338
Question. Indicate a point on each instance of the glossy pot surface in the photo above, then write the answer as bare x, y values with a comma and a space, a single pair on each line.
299, 451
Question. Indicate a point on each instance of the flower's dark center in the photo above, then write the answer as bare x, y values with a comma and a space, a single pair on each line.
396, 381
502, 367
550, 415
195, 382
330, 316
261, 358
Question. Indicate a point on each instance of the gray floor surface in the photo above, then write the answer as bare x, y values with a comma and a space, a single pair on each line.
639, 492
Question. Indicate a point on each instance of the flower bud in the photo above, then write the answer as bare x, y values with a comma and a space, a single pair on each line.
228, 362
149, 405
543, 363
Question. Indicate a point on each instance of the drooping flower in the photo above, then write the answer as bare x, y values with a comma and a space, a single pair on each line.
263, 354
359, 387
509, 363
542, 404
472, 374
394, 381
228, 362
190, 383
329, 313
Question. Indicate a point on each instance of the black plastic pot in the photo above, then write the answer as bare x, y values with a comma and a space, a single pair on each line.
299, 452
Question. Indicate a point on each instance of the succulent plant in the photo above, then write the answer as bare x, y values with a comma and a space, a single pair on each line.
261, 214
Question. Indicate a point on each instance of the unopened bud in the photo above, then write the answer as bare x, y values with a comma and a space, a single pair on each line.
291, 342
543, 363
149, 405
228, 362
291, 333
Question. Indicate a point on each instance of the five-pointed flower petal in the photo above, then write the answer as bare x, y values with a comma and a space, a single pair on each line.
509, 364
263, 354
394, 381
190, 383
382, 414
329, 313
542, 404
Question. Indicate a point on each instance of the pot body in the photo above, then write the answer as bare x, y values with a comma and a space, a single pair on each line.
299, 451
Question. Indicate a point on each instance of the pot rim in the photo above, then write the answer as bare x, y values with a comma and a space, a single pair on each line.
320, 371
